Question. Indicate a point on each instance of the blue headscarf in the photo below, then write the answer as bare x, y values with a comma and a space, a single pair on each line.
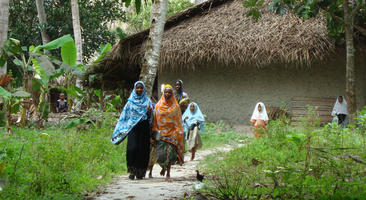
133, 112
193, 118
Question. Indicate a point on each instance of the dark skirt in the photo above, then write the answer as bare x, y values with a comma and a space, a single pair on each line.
166, 153
341, 118
138, 149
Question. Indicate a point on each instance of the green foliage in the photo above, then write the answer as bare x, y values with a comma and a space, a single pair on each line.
59, 164
94, 19
42, 68
12, 98
77, 122
4, 93
253, 4
217, 135
103, 50
55, 44
311, 162
141, 20
311, 8
120, 33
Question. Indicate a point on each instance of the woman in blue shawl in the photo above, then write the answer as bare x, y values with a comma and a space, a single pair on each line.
193, 125
135, 122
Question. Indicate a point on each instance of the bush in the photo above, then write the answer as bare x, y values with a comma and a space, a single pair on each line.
59, 164
311, 162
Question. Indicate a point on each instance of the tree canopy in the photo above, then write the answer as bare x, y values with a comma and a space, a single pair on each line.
94, 18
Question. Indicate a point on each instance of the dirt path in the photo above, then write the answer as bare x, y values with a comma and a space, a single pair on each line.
184, 178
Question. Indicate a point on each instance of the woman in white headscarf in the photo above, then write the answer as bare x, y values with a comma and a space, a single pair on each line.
259, 119
193, 125
340, 111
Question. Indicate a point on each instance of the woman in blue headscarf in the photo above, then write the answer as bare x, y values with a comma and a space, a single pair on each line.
193, 125
135, 122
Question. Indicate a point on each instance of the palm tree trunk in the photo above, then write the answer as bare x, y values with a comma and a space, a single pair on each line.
42, 17
4, 20
150, 62
78, 43
77, 30
350, 61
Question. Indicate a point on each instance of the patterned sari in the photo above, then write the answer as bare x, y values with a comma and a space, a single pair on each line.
167, 121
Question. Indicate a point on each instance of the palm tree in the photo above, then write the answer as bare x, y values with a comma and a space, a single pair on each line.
42, 17
4, 20
150, 62
78, 42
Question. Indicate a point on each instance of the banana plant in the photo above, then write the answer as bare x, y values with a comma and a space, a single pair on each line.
12, 103
44, 68
41, 68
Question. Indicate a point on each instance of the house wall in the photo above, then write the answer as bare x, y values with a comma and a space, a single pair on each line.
230, 94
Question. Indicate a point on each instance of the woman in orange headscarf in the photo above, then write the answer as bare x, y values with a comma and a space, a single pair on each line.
168, 125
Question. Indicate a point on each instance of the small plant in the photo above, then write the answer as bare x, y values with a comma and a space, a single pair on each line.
12, 103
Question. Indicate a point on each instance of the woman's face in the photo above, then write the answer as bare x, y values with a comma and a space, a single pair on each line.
177, 86
259, 108
191, 108
340, 99
139, 89
168, 93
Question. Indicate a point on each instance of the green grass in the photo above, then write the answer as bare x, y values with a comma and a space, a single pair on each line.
292, 163
212, 137
64, 164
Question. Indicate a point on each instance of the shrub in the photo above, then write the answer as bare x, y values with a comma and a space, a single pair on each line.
308, 162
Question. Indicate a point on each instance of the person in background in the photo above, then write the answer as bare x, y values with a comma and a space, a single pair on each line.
135, 123
167, 126
193, 125
181, 96
259, 119
340, 111
61, 104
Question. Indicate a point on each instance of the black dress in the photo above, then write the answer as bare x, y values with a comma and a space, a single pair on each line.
138, 149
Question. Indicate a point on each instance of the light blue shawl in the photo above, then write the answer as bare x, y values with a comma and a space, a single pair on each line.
193, 118
133, 112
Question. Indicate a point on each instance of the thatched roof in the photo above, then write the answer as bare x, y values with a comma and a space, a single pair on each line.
218, 31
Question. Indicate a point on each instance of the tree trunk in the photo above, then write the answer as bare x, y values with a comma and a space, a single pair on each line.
42, 17
4, 20
350, 61
150, 62
78, 44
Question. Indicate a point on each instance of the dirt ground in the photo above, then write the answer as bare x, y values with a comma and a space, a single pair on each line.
183, 181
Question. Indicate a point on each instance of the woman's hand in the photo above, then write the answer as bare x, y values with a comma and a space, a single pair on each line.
185, 118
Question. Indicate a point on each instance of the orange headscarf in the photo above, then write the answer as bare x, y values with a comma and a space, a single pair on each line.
167, 120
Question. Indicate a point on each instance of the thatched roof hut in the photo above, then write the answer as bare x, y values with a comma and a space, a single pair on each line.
229, 62
218, 31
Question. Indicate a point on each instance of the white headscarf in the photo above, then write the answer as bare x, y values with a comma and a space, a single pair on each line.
260, 115
340, 108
